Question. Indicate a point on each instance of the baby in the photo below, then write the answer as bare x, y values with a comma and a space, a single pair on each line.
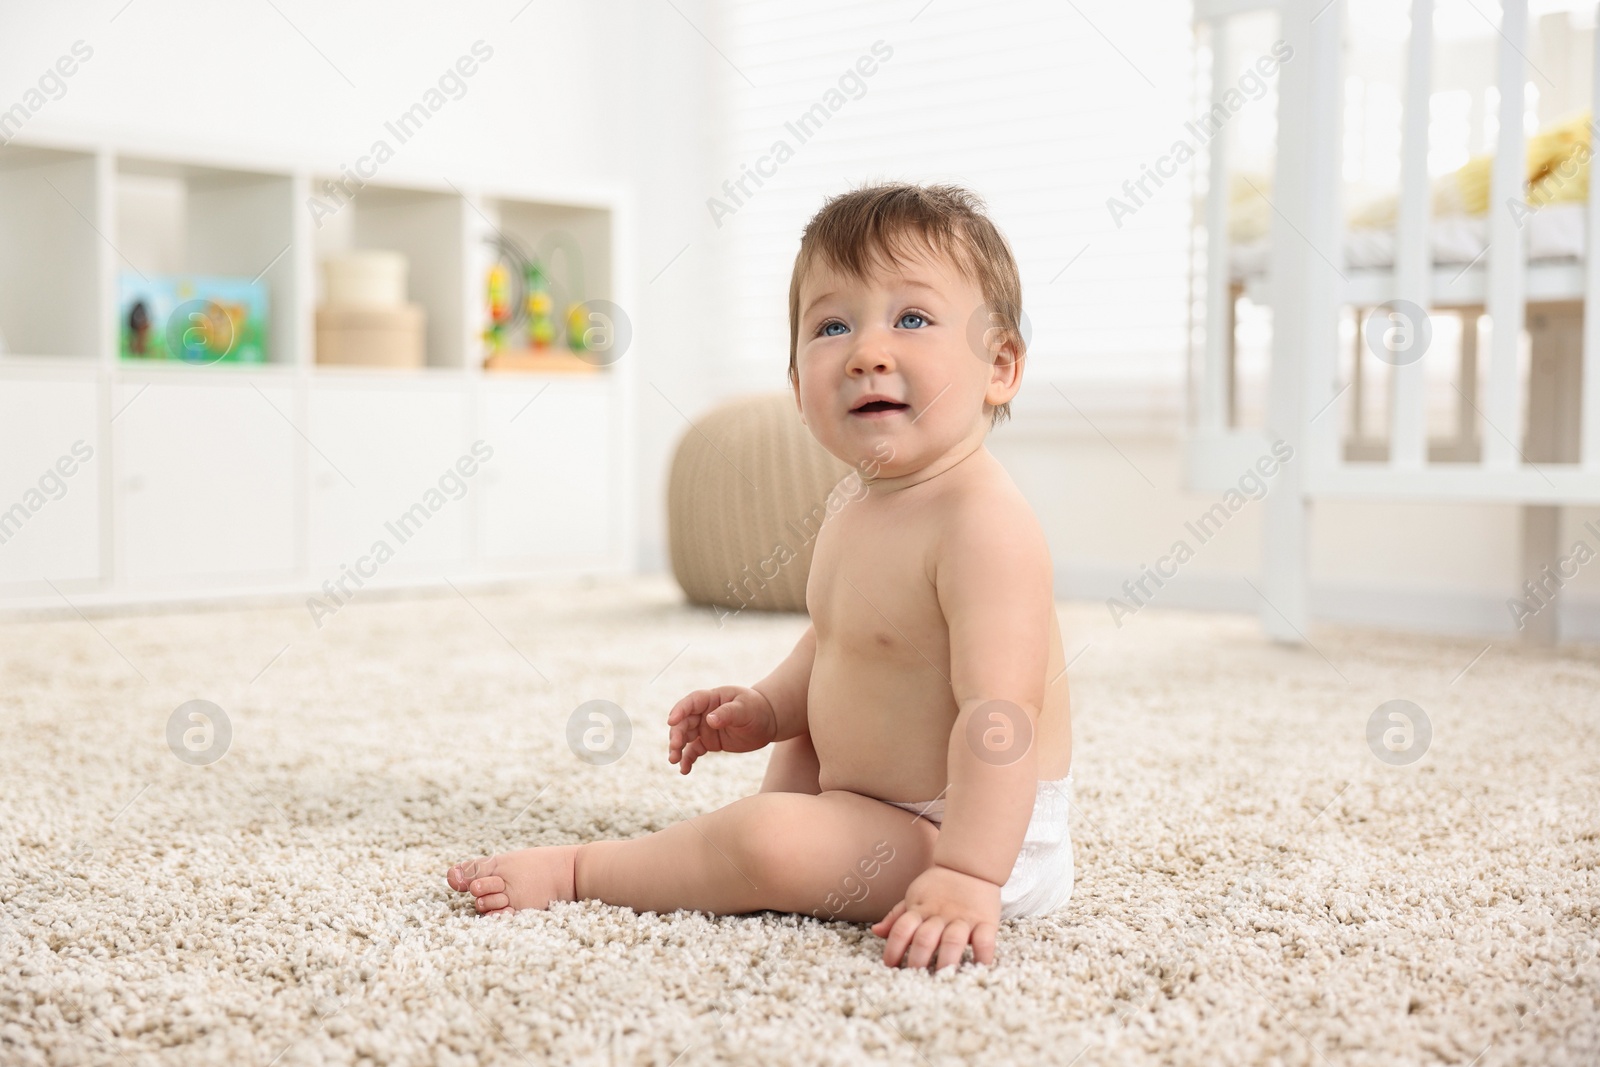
922, 742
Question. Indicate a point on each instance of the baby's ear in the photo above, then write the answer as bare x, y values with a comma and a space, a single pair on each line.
794, 382
1005, 377
1013, 350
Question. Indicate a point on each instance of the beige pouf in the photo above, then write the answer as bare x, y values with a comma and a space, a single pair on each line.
748, 491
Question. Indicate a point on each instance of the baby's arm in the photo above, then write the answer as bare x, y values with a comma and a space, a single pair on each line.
787, 687
736, 718
993, 583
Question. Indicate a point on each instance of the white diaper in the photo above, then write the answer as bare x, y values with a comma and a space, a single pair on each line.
1041, 881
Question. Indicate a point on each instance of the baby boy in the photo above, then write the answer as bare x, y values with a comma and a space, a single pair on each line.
922, 742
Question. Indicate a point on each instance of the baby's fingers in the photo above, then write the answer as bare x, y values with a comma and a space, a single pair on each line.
983, 942
691, 753
926, 942
686, 730
953, 945
730, 713
900, 936
693, 704
885, 924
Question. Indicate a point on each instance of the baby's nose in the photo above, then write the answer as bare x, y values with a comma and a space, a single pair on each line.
876, 361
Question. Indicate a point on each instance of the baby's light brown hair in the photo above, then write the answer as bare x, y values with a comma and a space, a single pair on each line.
883, 225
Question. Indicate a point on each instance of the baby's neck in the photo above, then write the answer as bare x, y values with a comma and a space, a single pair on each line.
951, 460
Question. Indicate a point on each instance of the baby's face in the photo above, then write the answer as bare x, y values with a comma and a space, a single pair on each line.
892, 366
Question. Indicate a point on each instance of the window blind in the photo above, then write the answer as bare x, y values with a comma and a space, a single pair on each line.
1043, 108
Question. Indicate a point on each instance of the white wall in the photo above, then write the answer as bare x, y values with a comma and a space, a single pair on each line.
670, 114
323, 78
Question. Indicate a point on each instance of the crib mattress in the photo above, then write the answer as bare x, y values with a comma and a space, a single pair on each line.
1554, 232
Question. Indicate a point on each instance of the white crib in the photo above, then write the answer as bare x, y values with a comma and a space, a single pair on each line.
1531, 438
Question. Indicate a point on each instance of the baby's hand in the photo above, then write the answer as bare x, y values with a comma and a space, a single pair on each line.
729, 718
943, 910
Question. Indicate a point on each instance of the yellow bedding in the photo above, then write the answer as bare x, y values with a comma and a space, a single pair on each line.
1558, 171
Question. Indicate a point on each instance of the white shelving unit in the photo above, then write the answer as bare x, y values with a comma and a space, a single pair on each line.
124, 481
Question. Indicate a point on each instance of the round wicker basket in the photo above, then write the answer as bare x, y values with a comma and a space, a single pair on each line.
745, 498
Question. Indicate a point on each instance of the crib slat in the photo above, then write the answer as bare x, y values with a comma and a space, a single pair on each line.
1408, 430
1324, 226
1589, 414
1214, 414
1303, 285
1503, 404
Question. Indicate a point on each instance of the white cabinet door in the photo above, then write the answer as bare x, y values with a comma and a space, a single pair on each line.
205, 482
550, 499
388, 470
50, 469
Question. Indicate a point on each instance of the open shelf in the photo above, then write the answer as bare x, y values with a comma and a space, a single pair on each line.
49, 253
186, 221
425, 226
573, 246
77, 223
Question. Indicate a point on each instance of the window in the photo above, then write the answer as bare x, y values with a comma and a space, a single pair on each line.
1043, 108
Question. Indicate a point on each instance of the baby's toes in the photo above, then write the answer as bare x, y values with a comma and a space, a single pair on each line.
493, 902
486, 886
462, 874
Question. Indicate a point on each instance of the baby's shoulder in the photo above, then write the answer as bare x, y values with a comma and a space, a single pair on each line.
987, 512
985, 488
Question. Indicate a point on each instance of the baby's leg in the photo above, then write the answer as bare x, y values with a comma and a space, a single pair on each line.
532, 877
835, 855
773, 851
793, 767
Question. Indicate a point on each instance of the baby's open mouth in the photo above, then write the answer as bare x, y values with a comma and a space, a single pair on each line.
872, 407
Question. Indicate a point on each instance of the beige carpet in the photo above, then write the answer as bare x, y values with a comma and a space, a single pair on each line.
1255, 886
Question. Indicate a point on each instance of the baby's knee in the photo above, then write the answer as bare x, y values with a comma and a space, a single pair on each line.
768, 833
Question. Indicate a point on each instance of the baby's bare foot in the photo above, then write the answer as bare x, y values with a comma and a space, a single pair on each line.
529, 878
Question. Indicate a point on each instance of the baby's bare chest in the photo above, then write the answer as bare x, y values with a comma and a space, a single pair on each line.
872, 587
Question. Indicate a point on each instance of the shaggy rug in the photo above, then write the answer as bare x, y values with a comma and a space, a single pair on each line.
1270, 868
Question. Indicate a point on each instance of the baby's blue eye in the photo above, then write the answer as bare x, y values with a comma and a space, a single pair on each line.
912, 315
828, 331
